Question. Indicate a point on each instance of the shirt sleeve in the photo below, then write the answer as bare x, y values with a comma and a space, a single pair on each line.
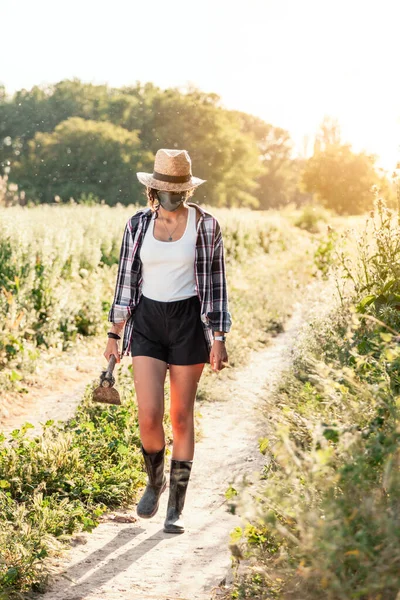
122, 304
219, 318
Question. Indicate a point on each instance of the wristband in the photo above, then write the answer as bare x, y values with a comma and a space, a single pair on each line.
113, 335
219, 338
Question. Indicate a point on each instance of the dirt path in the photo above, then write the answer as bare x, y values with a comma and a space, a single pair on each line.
122, 560
56, 388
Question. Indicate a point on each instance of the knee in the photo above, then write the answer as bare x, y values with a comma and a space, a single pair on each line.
181, 421
150, 421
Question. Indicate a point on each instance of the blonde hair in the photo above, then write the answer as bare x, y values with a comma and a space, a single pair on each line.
152, 200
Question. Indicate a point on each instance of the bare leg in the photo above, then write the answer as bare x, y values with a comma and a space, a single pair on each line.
149, 378
184, 381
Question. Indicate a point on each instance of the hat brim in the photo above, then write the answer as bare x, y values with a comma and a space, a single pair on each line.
148, 180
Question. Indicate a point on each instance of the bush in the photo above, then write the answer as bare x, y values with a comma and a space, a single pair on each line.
311, 218
62, 481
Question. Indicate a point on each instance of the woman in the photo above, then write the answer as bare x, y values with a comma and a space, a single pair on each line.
171, 295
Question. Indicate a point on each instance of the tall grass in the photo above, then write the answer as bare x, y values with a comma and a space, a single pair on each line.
325, 521
58, 268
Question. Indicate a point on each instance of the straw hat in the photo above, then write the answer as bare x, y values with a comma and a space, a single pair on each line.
172, 172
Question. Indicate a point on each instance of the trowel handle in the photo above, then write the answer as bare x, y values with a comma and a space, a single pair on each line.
111, 365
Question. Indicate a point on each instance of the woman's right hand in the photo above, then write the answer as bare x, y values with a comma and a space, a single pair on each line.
112, 348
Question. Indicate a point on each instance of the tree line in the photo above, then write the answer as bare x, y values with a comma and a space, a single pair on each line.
79, 140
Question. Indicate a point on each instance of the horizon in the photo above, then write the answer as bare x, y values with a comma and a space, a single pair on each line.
326, 64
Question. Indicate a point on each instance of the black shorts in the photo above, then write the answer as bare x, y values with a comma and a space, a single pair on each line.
170, 331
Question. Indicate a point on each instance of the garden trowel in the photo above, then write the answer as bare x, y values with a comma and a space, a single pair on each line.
105, 392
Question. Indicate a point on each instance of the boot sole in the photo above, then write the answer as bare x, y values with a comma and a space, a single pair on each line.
166, 530
147, 516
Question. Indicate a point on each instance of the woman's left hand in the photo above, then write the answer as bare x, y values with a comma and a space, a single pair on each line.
218, 356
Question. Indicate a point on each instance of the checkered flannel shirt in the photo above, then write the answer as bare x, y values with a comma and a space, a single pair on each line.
209, 274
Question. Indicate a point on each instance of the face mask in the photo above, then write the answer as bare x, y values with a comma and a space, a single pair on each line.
170, 200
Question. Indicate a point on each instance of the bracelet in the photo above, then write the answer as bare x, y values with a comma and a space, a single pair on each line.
219, 338
113, 335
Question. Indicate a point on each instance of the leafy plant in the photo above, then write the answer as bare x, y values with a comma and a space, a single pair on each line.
311, 218
375, 268
62, 481
329, 498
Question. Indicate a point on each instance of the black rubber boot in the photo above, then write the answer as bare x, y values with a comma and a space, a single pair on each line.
154, 463
179, 479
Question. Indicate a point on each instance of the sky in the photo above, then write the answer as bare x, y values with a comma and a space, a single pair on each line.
290, 62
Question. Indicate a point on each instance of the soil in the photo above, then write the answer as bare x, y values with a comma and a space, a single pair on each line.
55, 389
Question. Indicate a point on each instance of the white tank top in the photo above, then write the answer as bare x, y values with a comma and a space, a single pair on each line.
168, 267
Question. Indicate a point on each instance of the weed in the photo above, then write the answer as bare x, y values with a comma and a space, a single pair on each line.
330, 504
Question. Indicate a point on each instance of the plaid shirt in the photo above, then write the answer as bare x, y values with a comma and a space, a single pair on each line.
209, 275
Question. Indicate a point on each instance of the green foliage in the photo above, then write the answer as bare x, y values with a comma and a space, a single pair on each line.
58, 267
341, 179
278, 182
374, 268
311, 218
61, 481
325, 256
57, 282
221, 153
330, 493
106, 134
83, 156
329, 499
49, 284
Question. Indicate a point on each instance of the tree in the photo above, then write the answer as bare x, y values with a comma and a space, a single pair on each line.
278, 181
41, 109
245, 161
83, 156
329, 134
341, 179
221, 153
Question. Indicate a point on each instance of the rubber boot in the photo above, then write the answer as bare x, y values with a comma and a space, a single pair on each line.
157, 482
179, 479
